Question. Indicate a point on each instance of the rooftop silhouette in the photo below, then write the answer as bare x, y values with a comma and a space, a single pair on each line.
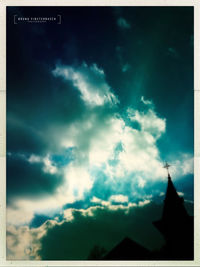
126, 250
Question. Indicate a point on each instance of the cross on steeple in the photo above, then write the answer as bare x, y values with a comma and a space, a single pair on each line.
166, 166
176, 225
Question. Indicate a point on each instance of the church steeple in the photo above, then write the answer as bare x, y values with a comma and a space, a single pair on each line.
175, 224
173, 203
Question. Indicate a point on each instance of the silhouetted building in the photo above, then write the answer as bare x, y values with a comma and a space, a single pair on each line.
176, 226
128, 249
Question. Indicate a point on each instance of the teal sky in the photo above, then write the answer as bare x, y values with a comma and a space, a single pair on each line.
95, 106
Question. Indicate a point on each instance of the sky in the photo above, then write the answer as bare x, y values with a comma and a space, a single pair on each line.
95, 106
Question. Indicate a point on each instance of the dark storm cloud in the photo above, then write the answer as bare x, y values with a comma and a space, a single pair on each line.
77, 238
25, 179
24, 138
48, 100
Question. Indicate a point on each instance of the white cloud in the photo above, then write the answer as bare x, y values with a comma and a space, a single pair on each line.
140, 154
146, 102
183, 166
96, 200
23, 243
68, 215
141, 182
90, 81
118, 199
139, 146
188, 164
24, 209
143, 203
78, 181
48, 166
123, 24
20, 214
34, 159
103, 145
99, 201
181, 194
149, 122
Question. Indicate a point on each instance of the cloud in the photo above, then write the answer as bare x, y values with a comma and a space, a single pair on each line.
31, 179
103, 145
141, 182
146, 102
149, 122
81, 229
23, 242
48, 165
23, 210
118, 198
78, 181
99, 201
104, 136
123, 24
108, 147
145, 202
33, 185
91, 83
22, 137
183, 166
181, 194
19, 214
139, 148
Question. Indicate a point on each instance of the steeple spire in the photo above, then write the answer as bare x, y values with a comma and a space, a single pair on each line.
173, 204
173, 209
166, 166
175, 224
